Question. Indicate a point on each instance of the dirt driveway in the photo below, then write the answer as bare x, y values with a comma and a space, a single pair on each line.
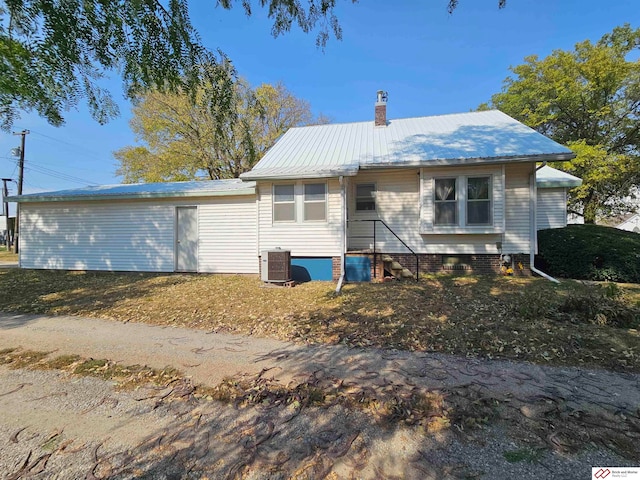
503, 419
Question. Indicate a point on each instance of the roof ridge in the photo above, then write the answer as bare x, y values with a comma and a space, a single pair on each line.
401, 118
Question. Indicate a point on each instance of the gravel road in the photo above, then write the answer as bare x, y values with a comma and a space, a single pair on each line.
56, 425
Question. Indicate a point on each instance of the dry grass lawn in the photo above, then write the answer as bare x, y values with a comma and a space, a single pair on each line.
493, 317
7, 256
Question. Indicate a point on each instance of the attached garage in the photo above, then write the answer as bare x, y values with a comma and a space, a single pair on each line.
165, 227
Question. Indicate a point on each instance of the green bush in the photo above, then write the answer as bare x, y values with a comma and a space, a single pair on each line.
590, 252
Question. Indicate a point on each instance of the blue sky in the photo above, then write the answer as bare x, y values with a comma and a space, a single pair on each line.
428, 61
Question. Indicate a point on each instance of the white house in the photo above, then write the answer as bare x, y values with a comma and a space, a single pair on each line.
553, 186
357, 200
631, 223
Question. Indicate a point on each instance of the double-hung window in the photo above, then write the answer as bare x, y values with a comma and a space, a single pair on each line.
479, 201
365, 197
445, 201
315, 202
284, 205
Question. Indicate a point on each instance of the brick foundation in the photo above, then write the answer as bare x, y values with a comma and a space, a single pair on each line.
335, 268
484, 264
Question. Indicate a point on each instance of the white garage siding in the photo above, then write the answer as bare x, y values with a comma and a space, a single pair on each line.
228, 236
552, 208
138, 235
118, 237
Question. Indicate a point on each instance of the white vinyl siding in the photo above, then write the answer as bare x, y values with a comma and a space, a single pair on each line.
398, 204
116, 237
228, 236
138, 235
552, 208
303, 238
517, 206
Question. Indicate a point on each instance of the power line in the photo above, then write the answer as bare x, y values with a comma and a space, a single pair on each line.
31, 184
46, 170
59, 175
96, 155
50, 172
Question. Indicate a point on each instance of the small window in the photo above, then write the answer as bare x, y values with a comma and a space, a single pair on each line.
284, 205
445, 202
366, 197
315, 202
479, 201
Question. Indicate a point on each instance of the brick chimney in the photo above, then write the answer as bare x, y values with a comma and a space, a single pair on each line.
381, 109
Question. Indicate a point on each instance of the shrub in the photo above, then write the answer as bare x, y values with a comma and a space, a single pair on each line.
600, 305
590, 252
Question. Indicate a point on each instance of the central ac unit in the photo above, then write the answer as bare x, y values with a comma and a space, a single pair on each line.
276, 265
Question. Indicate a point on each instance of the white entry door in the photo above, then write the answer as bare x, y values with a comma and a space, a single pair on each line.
187, 239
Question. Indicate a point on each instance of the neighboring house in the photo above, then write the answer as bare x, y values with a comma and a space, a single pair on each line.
553, 186
631, 224
367, 198
631, 221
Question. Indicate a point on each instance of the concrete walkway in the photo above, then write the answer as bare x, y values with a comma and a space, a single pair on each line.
206, 358
101, 430
209, 357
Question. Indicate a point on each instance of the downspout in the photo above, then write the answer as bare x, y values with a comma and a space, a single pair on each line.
343, 232
533, 241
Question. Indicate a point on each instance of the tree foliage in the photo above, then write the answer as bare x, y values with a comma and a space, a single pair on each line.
53, 53
588, 99
185, 140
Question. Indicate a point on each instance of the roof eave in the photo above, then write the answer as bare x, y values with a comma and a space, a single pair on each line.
558, 183
296, 176
130, 196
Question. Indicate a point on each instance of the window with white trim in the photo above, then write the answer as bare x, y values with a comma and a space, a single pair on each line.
445, 202
479, 201
315, 202
366, 197
284, 203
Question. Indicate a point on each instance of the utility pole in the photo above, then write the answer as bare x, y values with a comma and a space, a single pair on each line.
5, 207
23, 133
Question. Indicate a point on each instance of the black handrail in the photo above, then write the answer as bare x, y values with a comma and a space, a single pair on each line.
375, 262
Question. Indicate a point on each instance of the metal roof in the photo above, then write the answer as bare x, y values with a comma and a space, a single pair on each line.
548, 177
209, 188
464, 138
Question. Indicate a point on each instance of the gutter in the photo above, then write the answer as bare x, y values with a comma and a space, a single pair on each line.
533, 241
97, 197
343, 233
349, 171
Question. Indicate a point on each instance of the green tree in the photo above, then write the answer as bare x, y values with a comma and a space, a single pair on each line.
588, 99
53, 53
185, 140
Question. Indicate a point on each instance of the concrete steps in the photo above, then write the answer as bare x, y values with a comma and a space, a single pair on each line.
397, 270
